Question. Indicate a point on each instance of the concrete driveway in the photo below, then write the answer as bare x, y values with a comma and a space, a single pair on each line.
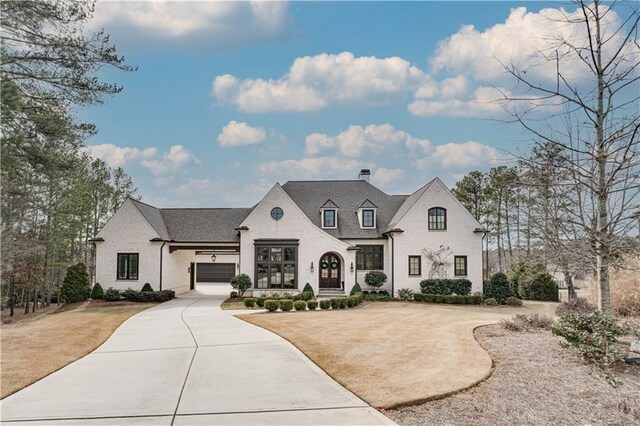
188, 362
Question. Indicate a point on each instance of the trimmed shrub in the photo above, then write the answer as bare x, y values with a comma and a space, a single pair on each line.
344, 303
474, 299
97, 292
352, 301
497, 288
308, 289
147, 287
260, 302
128, 294
446, 286
377, 298
543, 288
383, 293
112, 295
233, 294
312, 305
356, 289
513, 301
306, 295
375, 279
325, 304
250, 302
593, 335
241, 283
76, 286
491, 302
286, 305
579, 305
271, 305
335, 303
366, 292
419, 297
300, 305
148, 296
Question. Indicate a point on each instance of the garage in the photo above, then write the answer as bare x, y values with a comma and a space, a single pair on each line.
215, 272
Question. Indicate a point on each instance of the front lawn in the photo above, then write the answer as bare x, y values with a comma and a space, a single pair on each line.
36, 347
393, 353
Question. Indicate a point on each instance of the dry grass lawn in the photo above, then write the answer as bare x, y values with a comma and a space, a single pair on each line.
394, 353
38, 346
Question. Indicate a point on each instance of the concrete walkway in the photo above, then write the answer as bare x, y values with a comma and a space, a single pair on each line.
188, 362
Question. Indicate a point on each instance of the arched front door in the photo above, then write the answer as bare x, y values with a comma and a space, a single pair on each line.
330, 271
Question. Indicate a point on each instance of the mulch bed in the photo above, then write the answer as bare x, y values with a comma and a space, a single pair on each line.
535, 381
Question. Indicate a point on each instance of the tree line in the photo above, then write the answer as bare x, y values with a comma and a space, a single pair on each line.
54, 197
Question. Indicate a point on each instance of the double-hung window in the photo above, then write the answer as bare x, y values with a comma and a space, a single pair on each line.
415, 265
460, 266
368, 218
127, 266
329, 218
437, 219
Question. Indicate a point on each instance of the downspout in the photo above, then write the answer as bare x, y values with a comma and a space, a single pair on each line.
161, 250
392, 265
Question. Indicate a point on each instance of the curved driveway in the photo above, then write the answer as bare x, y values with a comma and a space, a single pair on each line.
188, 362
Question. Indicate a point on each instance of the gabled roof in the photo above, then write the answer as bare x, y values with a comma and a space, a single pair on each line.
310, 196
367, 204
329, 205
408, 203
194, 224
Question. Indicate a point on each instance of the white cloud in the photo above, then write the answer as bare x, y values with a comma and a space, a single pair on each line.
384, 176
357, 140
172, 161
311, 168
483, 101
240, 134
465, 154
205, 25
315, 82
116, 156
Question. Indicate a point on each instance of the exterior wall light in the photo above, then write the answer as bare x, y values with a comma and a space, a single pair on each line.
213, 258
351, 267
311, 267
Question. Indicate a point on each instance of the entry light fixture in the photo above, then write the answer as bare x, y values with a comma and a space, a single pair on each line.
351, 267
311, 267
213, 258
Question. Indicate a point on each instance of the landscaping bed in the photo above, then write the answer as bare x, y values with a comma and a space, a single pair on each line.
535, 381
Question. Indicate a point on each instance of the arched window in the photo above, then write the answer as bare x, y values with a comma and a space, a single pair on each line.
437, 219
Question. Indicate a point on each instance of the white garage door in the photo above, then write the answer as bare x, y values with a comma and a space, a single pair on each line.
215, 272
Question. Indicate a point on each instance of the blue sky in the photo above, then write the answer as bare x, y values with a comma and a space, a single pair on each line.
215, 114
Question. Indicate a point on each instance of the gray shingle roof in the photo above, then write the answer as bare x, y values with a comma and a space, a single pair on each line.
194, 225
348, 195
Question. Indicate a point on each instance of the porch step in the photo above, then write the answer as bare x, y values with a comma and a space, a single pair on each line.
331, 293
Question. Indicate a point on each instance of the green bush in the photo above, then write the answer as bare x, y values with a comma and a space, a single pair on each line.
419, 297
593, 335
497, 288
356, 289
521, 272
491, 302
260, 302
148, 296
286, 305
272, 305
579, 305
325, 304
377, 298
405, 294
112, 295
76, 286
128, 294
474, 299
513, 301
307, 295
97, 292
335, 302
233, 294
343, 303
446, 286
308, 289
250, 302
300, 305
352, 301
147, 287
375, 279
542, 288
241, 283
312, 305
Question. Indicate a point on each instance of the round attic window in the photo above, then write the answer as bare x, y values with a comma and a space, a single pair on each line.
277, 213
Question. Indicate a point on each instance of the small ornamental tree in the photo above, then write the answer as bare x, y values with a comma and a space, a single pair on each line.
542, 288
308, 289
75, 286
97, 292
241, 283
497, 288
147, 287
375, 279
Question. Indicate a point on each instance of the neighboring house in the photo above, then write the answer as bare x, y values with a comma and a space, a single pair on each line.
326, 233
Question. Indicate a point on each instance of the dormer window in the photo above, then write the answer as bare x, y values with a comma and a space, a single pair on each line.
437, 219
329, 218
367, 215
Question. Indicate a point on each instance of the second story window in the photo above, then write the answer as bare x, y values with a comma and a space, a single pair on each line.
437, 219
368, 218
329, 218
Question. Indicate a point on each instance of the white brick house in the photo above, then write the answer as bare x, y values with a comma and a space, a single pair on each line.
325, 233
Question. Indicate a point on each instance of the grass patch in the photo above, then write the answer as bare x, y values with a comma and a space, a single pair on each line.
233, 304
37, 346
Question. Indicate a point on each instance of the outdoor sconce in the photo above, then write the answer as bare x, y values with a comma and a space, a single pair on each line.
213, 258
351, 267
311, 266
189, 270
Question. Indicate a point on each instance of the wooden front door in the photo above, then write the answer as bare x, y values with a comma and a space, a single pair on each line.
330, 271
